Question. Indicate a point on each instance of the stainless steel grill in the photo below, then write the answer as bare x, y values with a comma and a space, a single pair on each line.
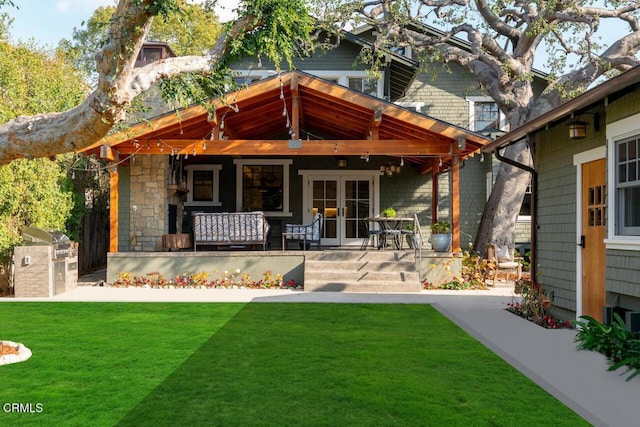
62, 246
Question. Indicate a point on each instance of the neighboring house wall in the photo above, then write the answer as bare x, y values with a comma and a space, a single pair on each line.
473, 189
556, 233
443, 94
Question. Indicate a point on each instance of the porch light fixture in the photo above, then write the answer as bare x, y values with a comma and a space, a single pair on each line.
578, 129
342, 163
390, 169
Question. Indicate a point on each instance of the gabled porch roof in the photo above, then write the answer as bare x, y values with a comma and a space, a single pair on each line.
294, 114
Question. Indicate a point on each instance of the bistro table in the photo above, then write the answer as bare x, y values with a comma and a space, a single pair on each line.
390, 227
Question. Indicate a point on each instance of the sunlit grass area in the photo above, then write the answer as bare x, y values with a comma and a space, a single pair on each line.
260, 364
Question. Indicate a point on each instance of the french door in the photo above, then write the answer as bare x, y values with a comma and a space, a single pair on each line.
345, 200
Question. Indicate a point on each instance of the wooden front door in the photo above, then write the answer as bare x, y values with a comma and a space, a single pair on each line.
593, 234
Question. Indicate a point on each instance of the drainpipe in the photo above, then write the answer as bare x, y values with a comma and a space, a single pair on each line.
534, 203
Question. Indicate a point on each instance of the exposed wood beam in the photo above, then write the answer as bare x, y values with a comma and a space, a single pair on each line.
215, 126
312, 147
374, 127
295, 108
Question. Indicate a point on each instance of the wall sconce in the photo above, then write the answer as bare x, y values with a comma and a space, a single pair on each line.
578, 129
342, 163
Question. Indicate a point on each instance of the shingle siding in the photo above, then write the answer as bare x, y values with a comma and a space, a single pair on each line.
444, 94
556, 249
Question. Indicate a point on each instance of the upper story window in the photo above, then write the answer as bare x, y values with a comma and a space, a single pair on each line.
414, 106
525, 209
364, 85
203, 184
628, 186
263, 185
484, 114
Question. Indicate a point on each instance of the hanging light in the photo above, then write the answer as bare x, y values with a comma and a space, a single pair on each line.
578, 129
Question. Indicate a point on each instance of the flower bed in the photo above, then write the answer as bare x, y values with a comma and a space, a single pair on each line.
204, 280
474, 270
535, 305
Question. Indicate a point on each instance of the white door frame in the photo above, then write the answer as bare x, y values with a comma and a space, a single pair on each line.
578, 160
311, 174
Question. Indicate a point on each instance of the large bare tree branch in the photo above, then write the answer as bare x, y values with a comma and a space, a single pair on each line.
119, 83
503, 37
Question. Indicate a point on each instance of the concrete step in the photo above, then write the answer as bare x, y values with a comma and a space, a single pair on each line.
361, 271
362, 286
358, 276
359, 265
362, 256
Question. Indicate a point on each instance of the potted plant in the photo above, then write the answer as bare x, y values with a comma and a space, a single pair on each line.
441, 236
389, 213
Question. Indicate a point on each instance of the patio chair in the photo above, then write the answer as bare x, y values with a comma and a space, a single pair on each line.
502, 260
306, 234
369, 233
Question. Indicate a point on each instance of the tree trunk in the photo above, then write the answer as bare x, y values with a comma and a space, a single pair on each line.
498, 223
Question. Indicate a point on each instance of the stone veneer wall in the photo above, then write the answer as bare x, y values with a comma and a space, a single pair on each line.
148, 202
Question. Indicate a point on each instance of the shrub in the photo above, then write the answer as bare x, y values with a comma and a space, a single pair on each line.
620, 346
441, 227
474, 269
535, 305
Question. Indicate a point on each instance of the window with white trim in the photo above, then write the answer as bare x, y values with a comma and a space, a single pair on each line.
525, 209
364, 85
627, 201
263, 185
203, 182
485, 114
415, 106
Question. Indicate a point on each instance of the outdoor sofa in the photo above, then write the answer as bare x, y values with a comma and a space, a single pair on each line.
230, 229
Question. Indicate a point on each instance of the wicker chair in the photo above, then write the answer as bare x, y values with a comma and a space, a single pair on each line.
505, 263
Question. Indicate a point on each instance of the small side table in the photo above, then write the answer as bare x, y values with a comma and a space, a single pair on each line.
300, 236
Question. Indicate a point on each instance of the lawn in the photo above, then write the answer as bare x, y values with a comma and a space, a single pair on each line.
109, 364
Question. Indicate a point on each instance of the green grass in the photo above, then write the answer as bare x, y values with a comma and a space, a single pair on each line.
260, 364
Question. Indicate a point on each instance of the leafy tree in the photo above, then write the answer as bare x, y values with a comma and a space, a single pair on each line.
190, 31
33, 192
275, 28
504, 37
30, 195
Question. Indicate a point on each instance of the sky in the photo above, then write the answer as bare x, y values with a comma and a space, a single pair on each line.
49, 21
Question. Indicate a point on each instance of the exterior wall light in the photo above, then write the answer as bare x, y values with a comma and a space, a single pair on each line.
578, 130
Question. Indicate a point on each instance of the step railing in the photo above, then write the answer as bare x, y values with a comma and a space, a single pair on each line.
418, 241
